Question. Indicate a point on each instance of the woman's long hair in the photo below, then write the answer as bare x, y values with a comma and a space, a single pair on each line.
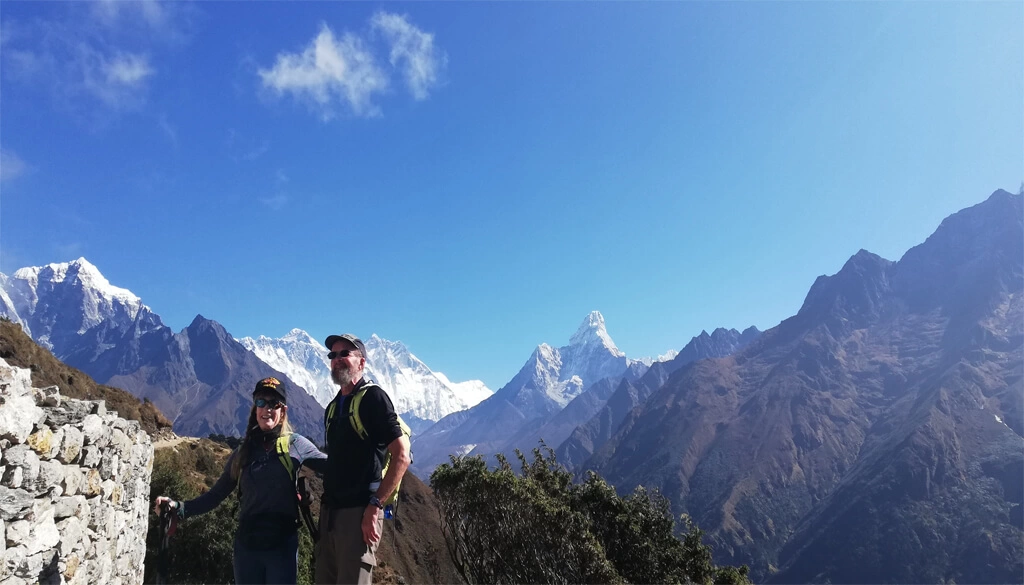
253, 428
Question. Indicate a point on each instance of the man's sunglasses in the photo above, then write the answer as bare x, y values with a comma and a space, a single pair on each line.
342, 353
271, 404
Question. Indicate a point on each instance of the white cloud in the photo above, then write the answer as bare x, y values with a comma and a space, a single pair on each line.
127, 69
98, 51
11, 165
118, 80
329, 72
413, 51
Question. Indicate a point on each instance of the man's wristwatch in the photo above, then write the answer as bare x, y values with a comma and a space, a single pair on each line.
375, 501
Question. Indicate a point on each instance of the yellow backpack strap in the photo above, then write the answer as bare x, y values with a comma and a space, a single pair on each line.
283, 443
328, 416
353, 412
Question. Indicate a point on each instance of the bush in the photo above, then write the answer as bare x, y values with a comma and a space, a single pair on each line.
539, 527
201, 551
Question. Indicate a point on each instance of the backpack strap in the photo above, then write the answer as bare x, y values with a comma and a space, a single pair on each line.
283, 443
353, 411
283, 454
354, 400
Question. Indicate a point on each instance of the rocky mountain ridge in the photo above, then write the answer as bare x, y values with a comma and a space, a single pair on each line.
875, 436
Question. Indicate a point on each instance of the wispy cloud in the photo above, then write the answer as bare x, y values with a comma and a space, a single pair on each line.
240, 149
128, 69
113, 12
276, 202
118, 80
94, 52
413, 51
328, 72
170, 131
11, 165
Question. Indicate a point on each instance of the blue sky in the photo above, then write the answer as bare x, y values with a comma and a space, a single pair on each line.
473, 178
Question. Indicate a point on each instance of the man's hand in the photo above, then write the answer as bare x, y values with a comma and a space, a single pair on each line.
371, 535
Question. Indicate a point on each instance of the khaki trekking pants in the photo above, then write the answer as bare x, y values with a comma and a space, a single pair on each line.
342, 557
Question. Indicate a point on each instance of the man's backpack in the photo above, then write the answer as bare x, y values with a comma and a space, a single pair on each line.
391, 504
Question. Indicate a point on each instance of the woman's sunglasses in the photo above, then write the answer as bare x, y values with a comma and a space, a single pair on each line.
271, 404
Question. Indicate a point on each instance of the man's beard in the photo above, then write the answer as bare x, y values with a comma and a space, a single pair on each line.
344, 376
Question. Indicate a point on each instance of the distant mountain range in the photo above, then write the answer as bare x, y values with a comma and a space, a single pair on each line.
421, 395
202, 378
874, 437
877, 436
554, 392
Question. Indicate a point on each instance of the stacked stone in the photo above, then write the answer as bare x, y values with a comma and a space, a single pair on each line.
74, 485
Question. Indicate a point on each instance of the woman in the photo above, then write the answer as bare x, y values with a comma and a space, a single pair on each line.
267, 543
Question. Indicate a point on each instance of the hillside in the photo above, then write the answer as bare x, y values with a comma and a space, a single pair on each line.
19, 350
873, 437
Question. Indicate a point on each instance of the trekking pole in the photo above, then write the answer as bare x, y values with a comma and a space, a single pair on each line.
168, 525
304, 511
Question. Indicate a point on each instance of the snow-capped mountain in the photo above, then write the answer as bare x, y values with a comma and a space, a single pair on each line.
199, 378
413, 387
57, 304
300, 357
549, 380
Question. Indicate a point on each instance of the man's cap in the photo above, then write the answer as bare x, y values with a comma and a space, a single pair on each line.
332, 339
271, 385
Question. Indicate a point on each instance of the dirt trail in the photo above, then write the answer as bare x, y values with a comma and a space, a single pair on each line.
172, 442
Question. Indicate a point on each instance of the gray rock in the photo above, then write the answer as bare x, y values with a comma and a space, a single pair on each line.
91, 456
49, 396
72, 532
70, 506
11, 558
58, 439
23, 457
121, 442
71, 412
73, 480
71, 445
32, 567
51, 474
14, 504
109, 464
12, 477
96, 433
17, 417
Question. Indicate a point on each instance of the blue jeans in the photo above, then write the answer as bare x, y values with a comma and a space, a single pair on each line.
275, 565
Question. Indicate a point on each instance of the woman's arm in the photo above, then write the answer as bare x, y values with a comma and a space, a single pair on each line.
206, 502
306, 453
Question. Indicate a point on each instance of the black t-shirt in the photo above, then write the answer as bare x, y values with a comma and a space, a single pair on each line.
353, 464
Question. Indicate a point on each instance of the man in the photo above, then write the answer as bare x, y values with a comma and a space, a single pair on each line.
351, 515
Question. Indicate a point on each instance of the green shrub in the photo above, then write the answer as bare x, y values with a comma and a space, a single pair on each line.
537, 526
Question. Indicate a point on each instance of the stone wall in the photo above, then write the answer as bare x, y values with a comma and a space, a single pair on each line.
74, 488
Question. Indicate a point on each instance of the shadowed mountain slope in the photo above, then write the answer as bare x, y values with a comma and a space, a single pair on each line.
606, 417
875, 436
